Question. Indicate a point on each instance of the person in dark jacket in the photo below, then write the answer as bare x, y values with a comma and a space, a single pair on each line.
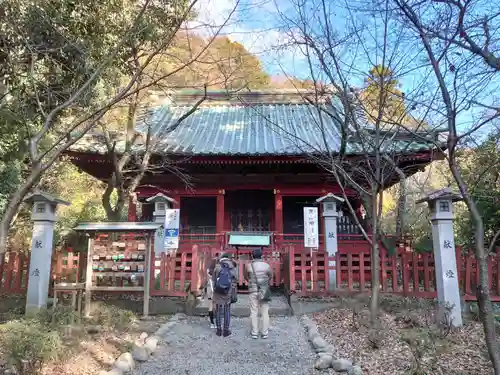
210, 291
222, 302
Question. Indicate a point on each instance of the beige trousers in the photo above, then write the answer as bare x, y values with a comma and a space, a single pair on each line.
258, 307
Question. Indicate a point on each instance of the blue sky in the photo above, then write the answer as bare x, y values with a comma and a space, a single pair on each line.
260, 26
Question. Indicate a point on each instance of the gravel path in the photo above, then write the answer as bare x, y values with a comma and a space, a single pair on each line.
192, 348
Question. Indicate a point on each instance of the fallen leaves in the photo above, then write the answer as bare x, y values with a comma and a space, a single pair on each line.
386, 349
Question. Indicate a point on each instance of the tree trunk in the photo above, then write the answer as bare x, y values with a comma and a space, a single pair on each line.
375, 262
113, 213
401, 210
13, 207
483, 291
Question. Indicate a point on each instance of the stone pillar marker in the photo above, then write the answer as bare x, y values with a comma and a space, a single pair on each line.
330, 215
162, 203
43, 217
441, 206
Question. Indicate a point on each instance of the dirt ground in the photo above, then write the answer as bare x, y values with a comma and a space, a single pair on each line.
93, 352
407, 340
89, 348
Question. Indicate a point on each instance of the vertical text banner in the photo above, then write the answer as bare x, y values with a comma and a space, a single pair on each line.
311, 235
172, 229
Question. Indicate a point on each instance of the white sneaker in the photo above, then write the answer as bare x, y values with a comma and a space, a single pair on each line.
255, 336
213, 326
265, 336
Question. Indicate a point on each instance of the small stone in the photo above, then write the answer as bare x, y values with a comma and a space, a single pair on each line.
312, 333
319, 343
323, 361
355, 370
143, 336
140, 353
115, 371
181, 316
341, 365
151, 344
125, 362
329, 349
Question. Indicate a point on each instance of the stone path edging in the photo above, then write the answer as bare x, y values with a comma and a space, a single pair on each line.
325, 352
143, 349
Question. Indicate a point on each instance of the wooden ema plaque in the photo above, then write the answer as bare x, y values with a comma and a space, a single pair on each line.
119, 262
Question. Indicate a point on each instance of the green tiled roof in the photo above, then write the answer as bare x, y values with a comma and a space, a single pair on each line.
252, 130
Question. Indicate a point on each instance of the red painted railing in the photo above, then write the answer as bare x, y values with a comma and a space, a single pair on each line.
300, 271
405, 273
14, 270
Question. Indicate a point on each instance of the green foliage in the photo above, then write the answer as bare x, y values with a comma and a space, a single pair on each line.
481, 171
28, 344
381, 92
111, 317
60, 316
480, 168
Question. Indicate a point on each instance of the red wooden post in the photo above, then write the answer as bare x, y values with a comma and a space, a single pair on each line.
19, 272
132, 209
162, 274
416, 284
383, 257
183, 270
194, 270
177, 204
278, 211
468, 271
326, 267
362, 271
314, 271
349, 271
220, 212
303, 272
394, 272
339, 269
406, 276
426, 272
291, 268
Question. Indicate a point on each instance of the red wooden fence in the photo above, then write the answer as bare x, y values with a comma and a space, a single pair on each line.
301, 272
405, 273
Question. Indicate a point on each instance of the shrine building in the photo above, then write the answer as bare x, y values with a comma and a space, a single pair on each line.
250, 163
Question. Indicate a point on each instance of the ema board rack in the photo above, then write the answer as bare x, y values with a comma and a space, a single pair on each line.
119, 258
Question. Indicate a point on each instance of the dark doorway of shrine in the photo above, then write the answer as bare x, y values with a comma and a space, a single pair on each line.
198, 216
250, 210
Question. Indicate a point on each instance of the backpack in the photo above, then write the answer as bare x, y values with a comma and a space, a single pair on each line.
223, 283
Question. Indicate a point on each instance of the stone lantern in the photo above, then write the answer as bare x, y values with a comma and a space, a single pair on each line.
330, 215
441, 206
43, 217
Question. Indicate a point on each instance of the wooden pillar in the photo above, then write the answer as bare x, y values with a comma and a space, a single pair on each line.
219, 221
177, 203
132, 209
278, 211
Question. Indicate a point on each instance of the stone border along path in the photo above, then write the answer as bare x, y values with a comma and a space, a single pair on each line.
189, 346
142, 350
325, 353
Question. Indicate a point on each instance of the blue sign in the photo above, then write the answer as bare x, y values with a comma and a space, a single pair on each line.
172, 233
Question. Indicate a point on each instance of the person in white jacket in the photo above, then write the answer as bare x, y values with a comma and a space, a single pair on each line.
259, 275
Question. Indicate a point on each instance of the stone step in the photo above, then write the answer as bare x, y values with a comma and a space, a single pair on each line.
277, 307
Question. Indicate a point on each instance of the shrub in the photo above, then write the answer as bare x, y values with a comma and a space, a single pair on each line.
29, 344
61, 315
113, 317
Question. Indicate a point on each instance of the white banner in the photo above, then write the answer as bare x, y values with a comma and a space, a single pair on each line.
311, 235
172, 223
